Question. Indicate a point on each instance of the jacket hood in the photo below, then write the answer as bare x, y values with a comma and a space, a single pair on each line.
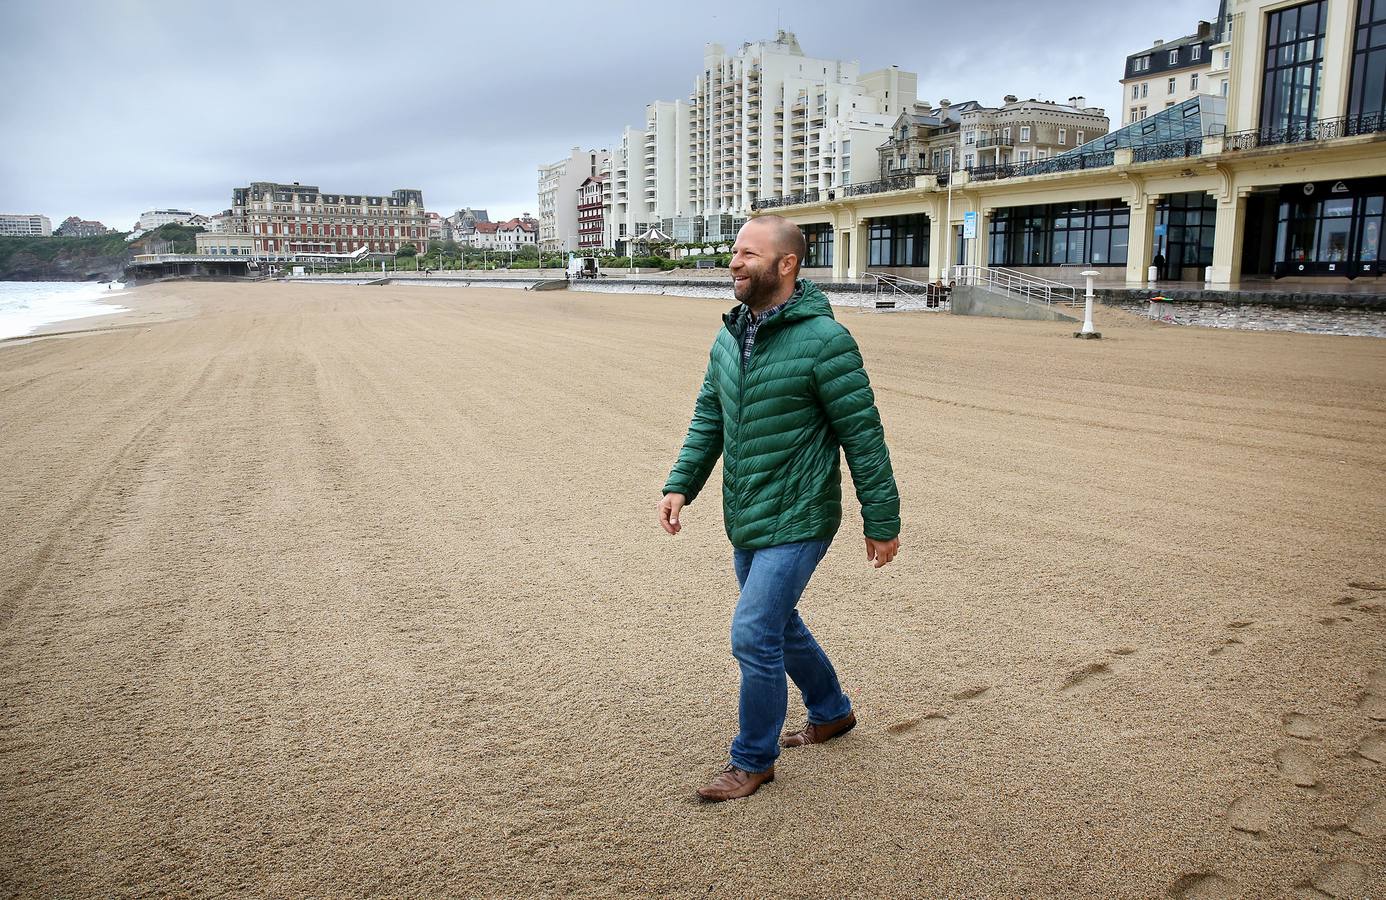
806, 302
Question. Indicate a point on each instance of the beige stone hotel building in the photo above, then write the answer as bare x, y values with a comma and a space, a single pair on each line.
1285, 177
289, 219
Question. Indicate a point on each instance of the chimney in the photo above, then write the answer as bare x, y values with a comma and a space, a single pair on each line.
1080, 102
1158, 42
944, 104
1009, 98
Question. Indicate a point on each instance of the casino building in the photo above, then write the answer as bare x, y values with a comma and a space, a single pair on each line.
298, 219
1282, 179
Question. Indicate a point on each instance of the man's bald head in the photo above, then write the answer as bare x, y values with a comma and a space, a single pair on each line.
785, 235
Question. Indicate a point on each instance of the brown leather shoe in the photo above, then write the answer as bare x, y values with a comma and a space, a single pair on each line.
817, 734
732, 783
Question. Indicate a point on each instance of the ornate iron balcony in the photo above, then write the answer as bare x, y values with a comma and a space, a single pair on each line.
1322, 130
1167, 150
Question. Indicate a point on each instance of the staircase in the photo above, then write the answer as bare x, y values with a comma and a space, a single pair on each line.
1017, 285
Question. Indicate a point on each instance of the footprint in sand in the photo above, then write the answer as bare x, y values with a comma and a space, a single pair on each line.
1373, 747
1236, 641
1203, 886
1367, 585
905, 725
1085, 677
1298, 725
1371, 821
1249, 815
1229, 644
974, 692
1372, 701
1296, 767
1346, 601
1338, 878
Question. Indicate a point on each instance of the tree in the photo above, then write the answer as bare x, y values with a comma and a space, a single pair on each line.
406, 251
528, 251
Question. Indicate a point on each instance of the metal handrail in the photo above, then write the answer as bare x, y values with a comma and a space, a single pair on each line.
1016, 273
1029, 288
935, 295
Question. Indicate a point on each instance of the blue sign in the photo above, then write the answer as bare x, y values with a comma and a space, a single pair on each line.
969, 225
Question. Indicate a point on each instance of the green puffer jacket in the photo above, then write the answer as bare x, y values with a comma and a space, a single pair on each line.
778, 425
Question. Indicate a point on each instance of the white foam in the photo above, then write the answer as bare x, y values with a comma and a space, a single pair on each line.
26, 306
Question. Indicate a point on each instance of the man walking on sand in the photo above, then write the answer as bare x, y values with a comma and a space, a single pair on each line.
784, 389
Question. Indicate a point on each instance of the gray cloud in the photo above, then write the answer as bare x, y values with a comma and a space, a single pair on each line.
129, 105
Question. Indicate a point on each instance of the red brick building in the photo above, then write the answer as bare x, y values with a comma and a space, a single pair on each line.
289, 219
591, 224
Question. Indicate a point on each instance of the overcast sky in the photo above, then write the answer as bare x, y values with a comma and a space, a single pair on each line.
111, 108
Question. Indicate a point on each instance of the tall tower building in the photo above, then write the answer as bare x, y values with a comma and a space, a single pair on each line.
626, 212
758, 119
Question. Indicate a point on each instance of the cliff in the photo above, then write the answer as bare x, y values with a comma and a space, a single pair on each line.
101, 258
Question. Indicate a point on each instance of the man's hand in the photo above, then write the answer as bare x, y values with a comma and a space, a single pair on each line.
669, 512
878, 553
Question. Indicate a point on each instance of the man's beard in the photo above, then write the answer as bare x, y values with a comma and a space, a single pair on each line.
759, 287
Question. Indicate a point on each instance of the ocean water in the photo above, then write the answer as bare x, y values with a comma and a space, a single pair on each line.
28, 305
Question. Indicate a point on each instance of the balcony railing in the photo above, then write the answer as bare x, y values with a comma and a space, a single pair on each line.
810, 196
1167, 150
1066, 163
1322, 130
890, 183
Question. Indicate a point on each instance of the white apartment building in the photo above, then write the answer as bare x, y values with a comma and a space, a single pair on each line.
155, 217
23, 225
625, 212
761, 122
558, 184
665, 159
836, 163
1218, 81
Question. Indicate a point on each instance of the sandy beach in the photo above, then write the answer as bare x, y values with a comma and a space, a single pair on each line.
332, 591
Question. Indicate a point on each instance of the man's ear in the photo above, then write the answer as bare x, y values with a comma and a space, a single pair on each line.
788, 263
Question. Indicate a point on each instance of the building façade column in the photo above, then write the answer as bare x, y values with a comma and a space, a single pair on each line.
842, 250
1140, 237
1229, 229
856, 266
938, 240
981, 245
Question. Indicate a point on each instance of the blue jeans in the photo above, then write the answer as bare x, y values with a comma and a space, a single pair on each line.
769, 640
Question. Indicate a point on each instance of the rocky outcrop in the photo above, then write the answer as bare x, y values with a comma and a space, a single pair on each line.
26, 266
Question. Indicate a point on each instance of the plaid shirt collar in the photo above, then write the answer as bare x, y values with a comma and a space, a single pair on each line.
753, 323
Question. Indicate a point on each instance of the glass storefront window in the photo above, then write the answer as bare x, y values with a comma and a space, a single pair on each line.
819, 237
1331, 235
899, 241
1371, 229
1092, 233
